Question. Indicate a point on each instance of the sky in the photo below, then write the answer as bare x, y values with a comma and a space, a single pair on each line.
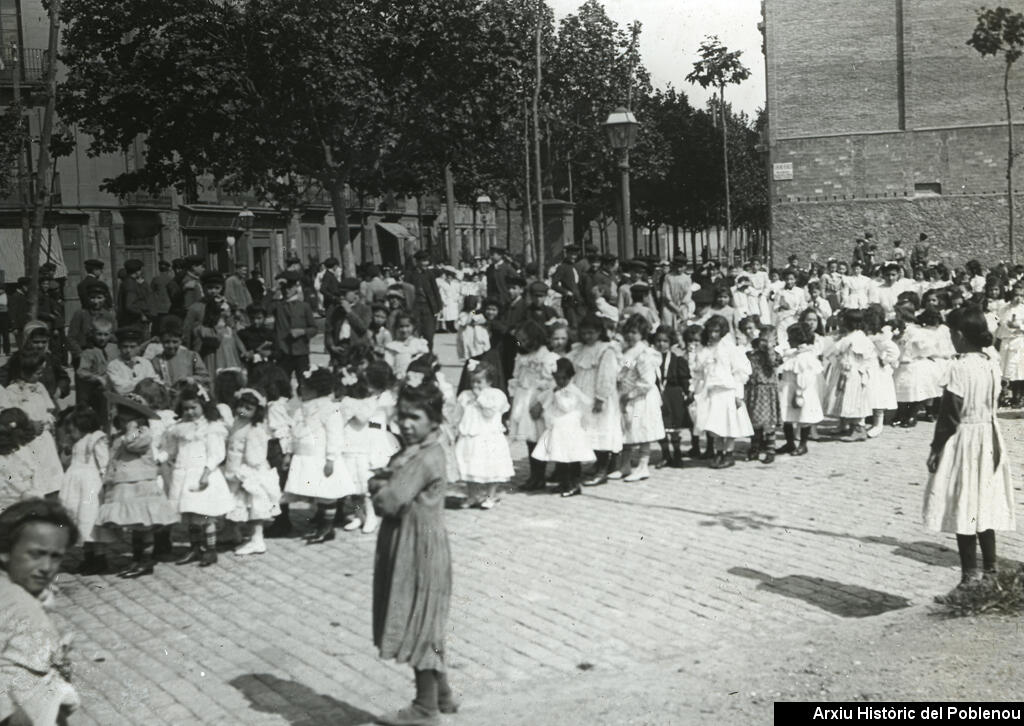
672, 32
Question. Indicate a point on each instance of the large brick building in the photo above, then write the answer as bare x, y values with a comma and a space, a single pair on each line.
883, 119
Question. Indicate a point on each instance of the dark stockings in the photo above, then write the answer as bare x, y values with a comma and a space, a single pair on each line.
426, 690
967, 546
140, 539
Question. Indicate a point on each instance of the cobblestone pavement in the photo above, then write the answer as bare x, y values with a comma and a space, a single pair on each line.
635, 603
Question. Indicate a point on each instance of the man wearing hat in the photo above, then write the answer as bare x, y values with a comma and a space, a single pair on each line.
133, 298
294, 325
515, 313
498, 272
93, 270
330, 284
427, 303
359, 314
606, 277
566, 282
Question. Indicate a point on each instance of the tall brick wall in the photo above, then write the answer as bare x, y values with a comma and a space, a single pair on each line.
833, 85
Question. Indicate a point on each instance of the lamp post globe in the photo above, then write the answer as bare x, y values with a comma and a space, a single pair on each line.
622, 127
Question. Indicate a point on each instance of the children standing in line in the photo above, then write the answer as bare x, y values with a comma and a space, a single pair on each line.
596, 366
412, 577
82, 483
481, 450
799, 391
316, 473
674, 383
640, 398
531, 376
970, 490
564, 440
134, 499
720, 375
850, 368
247, 471
195, 451
762, 394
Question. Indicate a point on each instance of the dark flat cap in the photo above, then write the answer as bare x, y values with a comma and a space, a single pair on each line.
132, 266
93, 264
128, 335
212, 278
290, 276
194, 261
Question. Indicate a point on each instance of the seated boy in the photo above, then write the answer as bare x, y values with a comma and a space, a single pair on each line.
36, 339
91, 374
129, 367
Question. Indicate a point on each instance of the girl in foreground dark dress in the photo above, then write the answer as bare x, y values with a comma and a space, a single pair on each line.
412, 578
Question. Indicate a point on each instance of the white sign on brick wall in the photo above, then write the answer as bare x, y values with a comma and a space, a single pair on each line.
782, 172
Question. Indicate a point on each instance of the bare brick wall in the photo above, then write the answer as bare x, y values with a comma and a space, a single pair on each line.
833, 86
959, 228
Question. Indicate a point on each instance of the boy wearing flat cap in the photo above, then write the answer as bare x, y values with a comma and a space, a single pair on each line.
93, 270
294, 325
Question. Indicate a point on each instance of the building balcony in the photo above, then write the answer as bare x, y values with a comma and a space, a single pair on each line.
31, 69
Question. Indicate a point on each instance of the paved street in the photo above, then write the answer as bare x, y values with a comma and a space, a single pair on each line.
663, 602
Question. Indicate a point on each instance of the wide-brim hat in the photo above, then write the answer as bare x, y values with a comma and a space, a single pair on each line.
132, 403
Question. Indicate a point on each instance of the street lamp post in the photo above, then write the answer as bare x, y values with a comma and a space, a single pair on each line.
480, 241
622, 127
243, 222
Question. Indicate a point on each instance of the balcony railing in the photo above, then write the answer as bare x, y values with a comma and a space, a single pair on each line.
32, 66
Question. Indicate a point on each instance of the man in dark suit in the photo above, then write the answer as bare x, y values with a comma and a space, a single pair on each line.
330, 284
497, 277
93, 270
294, 325
133, 309
427, 303
566, 282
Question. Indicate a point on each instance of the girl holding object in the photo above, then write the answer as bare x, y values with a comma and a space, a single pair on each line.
481, 450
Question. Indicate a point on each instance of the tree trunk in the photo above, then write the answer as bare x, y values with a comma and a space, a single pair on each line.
725, 163
527, 210
449, 204
1009, 161
536, 144
42, 191
339, 205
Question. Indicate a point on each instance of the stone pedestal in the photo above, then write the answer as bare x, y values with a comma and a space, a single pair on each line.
558, 227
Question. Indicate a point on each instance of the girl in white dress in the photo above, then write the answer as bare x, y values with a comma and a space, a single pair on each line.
316, 473
720, 375
471, 336
249, 475
1011, 347
564, 440
596, 365
481, 450
799, 389
848, 372
196, 447
857, 287
970, 491
532, 375
28, 393
405, 346
789, 301
82, 483
882, 384
639, 398
358, 406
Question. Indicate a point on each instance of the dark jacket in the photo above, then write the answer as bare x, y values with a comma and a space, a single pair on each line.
427, 291
132, 302
566, 284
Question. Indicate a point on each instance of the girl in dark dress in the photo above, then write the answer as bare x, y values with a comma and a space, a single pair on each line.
762, 394
412, 577
674, 382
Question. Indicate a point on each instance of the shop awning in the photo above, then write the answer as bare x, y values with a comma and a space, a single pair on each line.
12, 256
396, 230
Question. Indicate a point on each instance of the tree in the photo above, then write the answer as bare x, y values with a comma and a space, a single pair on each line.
1001, 32
718, 67
370, 96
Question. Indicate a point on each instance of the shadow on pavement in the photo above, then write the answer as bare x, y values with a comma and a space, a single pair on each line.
847, 601
297, 703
